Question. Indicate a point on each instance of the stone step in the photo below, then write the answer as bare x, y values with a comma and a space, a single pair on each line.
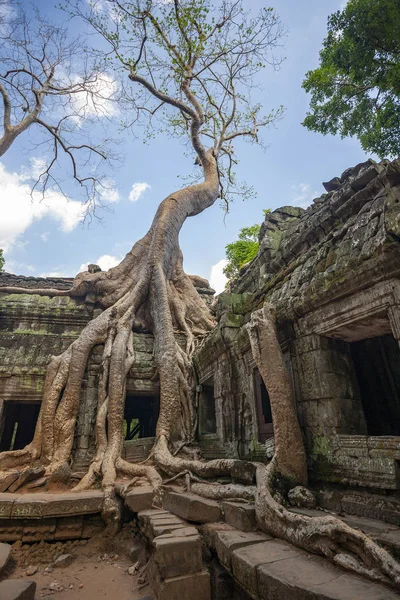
140, 498
176, 566
192, 507
17, 589
385, 534
242, 516
5, 553
271, 569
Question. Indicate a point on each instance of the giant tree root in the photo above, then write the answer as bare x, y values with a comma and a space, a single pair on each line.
327, 536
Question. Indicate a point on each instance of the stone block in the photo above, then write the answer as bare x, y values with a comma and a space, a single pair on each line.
37, 530
17, 589
192, 507
6, 479
313, 578
92, 525
28, 474
6, 505
194, 587
240, 515
139, 499
29, 506
11, 530
244, 472
178, 553
68, 528
70, 503
245, 561
226, 542
5, 552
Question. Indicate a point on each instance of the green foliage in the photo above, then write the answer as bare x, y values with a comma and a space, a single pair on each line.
188, 69
242, 251
1, 260
355, 91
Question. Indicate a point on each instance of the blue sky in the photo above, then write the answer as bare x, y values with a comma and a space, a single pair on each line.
49, 239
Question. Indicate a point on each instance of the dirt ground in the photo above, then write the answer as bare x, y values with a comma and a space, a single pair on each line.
98, 568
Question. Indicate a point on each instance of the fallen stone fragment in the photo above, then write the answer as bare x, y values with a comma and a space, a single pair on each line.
64, 561
132, 570
56, 587
31, 570
17, 589
6, 479
25, 476
302, 497
38, 483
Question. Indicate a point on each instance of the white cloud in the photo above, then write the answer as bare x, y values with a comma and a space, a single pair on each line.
304, 195
44, 236
56, 274
14, 266
19, 210
97, 100
137, 190
36, 168
108, 191
218, 280
105, 262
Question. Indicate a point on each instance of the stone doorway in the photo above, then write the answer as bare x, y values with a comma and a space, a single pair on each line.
140, 416
263, 406
18, 424
377, 367
207, 416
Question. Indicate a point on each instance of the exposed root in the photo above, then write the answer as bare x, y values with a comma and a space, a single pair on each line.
224, 492
327, 536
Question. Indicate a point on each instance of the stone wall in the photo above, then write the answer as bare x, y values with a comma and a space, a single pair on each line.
333, 274
35, 327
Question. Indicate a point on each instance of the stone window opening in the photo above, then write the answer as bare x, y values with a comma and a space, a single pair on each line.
207, 415
18, 424
263, 407
140, 416
377, 367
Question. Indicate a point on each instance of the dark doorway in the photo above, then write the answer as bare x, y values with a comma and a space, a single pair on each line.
264, 413
377, 366
140, 416
19, 424
207, 417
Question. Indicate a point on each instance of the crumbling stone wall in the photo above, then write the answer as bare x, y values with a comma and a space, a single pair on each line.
333, 273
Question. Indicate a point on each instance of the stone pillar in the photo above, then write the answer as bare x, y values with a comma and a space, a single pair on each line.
328, 398
394, 318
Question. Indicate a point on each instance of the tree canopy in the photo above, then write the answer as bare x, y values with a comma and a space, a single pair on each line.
355, 91
1, 260
186, 59
241, 251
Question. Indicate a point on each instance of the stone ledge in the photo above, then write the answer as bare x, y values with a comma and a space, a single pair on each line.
227, 541
43, 505
192, 508
240, 515
139, 499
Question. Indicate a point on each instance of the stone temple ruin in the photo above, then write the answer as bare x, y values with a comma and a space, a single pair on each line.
332, 272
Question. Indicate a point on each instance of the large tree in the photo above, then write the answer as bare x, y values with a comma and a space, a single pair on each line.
191, 66
50, 87
355, 91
